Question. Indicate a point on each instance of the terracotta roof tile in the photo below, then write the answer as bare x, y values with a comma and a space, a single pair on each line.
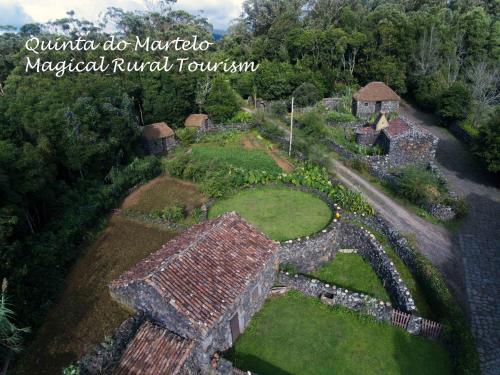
156, 131
195, 120
205, 268
154, 351
397, 127
376, 91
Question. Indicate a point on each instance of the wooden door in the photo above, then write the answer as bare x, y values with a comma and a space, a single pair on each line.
235, 327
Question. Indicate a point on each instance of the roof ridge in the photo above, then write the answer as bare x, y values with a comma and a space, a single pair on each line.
166, 262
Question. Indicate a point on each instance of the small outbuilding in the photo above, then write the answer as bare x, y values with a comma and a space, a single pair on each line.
158, 138
204, 285
375, 97
198, 121
401, 140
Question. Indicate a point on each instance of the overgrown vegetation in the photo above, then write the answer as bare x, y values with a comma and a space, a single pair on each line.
425, 188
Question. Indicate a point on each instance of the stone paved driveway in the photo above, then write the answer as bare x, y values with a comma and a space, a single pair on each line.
478, 238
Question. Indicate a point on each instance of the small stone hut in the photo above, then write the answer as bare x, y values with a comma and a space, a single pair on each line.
154, 350
402, 141
205, 284
158, 138
198, 121
375, 97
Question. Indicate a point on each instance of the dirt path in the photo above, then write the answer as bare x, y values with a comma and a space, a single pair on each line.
250, 142
434, 241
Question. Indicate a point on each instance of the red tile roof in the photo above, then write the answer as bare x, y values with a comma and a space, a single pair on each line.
195, 120
376, 91
204, 269
397, 127
154, 351
366, 129
157, 131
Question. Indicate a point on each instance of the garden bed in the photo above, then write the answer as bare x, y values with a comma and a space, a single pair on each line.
280, 213
279, 341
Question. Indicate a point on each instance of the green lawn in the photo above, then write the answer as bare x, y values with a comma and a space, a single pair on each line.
237, 156
297, 335
280, 213
351, 271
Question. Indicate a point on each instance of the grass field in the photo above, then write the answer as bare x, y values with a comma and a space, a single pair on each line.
237, 156
85, 313
351, 271
164, 192
280, 213
297, 335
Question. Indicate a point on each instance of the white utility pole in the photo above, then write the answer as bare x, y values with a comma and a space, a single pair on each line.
291, 132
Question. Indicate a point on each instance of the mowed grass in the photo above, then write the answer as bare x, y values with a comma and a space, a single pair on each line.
164, 192
351, 271
280, 213
297, 335
236, 156
85, 313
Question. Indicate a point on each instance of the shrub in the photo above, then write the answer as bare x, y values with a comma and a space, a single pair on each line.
359, 165
239, 117
454, 103
222, 102
173, 214
306, 94
487, 143
187, 136
340, 117
419, 185
279, 108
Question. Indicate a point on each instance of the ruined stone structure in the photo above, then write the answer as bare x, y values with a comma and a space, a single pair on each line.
402, 141
158, 138
198, 292
375, 97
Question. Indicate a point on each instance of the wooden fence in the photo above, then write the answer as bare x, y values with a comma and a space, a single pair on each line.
400, 319
428, 328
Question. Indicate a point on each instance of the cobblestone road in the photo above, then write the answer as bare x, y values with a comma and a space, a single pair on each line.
478, 239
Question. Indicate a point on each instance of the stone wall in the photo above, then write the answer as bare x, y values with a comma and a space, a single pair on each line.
104, 357
460, 133
413, 147
160, 146
389, 106
351, 236
363, 109
336, 296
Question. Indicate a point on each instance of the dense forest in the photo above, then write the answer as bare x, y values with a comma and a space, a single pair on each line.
69, 147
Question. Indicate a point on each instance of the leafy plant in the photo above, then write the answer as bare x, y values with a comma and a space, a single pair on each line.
187, 136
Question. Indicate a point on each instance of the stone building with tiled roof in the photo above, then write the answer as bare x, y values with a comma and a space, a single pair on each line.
155, 350
204, 285
158, 138
375, 97
402, 141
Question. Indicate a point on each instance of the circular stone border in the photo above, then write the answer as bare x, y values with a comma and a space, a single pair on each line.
324, 197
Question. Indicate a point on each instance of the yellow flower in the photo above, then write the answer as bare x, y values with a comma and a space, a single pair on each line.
337, 215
